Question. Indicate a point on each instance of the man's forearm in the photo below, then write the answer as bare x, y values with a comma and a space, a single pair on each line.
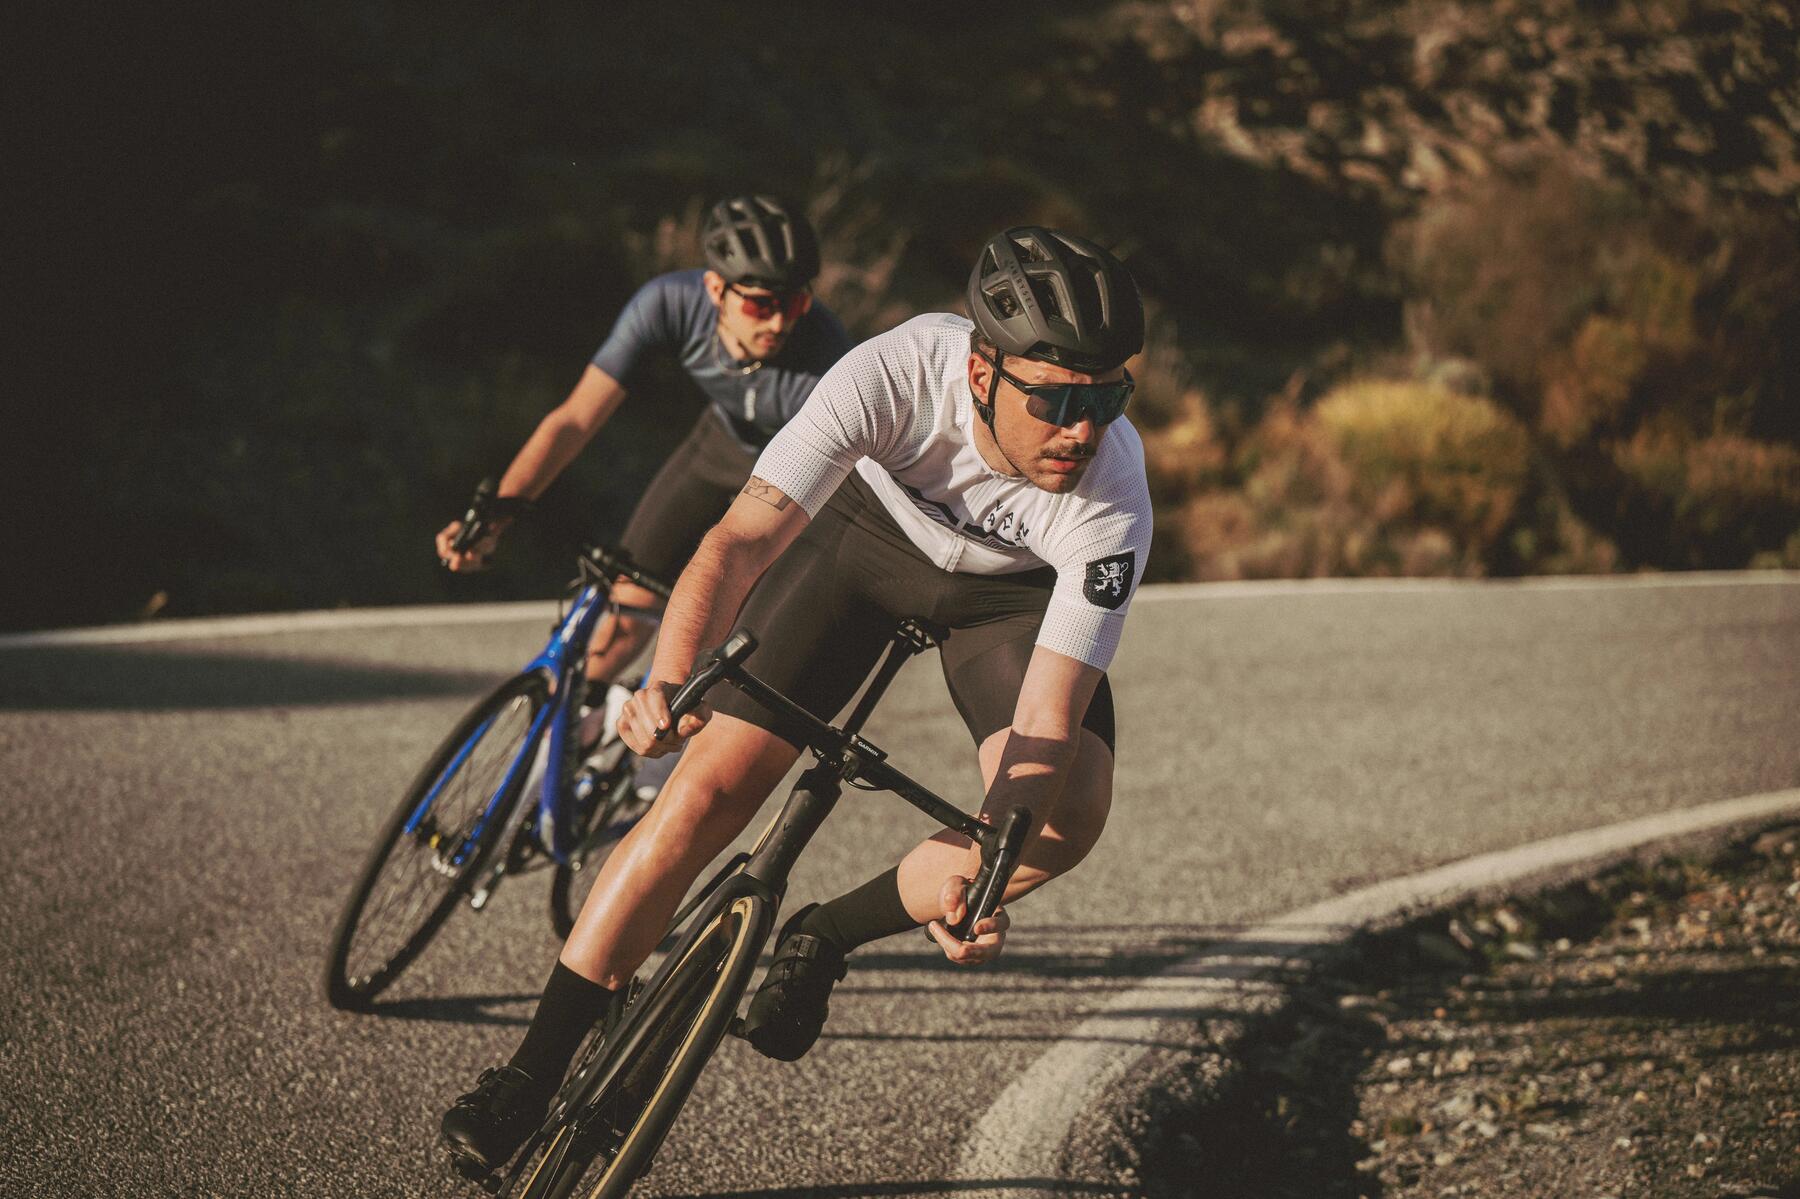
1032, 772
705, 604
545, 455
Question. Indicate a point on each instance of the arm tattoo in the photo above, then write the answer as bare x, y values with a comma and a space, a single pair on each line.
768, 493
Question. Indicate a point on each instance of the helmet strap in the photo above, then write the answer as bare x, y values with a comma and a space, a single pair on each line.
986, 410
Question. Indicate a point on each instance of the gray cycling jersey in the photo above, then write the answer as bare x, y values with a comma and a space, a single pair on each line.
673, 311
898, 410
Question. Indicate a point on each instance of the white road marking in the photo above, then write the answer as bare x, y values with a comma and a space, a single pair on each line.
212, 627
1017, 1146
1263, 588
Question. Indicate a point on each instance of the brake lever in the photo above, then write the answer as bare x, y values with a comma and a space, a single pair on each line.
982, 899
713, 667
474, 521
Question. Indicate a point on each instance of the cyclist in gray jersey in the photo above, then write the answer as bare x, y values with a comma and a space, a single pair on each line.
974, 474
749, 334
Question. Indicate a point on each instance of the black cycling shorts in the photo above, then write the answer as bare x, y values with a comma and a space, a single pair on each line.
826, 610
688, 496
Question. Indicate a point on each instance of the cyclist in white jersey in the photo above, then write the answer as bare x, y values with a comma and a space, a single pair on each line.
973, 474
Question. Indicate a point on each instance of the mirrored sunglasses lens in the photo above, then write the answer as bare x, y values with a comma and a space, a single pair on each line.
790, 304
1067, 404
1109, 403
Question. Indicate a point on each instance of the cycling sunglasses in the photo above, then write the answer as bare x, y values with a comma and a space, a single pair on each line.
761, 306
1065, 404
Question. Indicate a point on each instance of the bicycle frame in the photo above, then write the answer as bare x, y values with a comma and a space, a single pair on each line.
759, 877
561, 662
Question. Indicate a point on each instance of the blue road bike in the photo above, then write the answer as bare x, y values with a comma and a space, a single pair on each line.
466, 823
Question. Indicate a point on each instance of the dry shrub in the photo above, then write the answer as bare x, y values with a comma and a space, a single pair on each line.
1593, 381
1503, 268
1426, 456
1723, 496
1378, 478
1649, 347
1186, 454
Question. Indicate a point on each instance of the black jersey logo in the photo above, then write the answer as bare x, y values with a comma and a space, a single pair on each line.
1109, 579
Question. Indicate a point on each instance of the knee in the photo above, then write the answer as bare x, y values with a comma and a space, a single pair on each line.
689, 804
705, 801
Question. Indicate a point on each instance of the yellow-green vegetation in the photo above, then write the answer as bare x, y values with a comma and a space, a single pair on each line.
1380, 477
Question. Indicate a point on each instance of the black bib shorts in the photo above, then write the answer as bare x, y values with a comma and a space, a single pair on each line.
826, 610
688, 496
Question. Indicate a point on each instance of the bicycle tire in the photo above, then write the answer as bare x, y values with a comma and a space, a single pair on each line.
456, 782
692, 1010
614, 814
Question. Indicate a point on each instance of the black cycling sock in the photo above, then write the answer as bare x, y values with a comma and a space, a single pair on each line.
855, 918
570, 1007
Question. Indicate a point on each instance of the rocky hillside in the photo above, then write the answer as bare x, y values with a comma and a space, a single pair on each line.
313, 271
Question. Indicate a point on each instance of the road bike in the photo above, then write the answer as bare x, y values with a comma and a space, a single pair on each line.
461, 828
630, 1081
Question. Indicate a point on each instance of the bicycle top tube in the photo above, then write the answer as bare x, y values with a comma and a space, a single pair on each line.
854, 757
844, 756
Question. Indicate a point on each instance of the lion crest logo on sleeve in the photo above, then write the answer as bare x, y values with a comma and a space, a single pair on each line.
1109, 579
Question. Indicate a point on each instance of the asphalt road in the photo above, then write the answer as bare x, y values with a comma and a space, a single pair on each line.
182, 819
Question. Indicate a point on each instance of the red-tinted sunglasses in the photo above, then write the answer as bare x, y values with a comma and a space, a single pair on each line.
761, 306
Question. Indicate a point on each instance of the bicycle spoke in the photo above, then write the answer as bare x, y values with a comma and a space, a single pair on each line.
424, 867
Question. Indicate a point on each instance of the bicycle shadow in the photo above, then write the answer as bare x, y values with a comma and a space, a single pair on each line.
166, 678
1107, 953
459, 1009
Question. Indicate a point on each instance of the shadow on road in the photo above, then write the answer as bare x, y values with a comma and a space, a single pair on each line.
158, 678
1114, 952
461, 1009
871, 1190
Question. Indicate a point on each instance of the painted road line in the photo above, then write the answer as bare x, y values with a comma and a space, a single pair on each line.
212, 627
208, 628
1264, 588
1018, 1147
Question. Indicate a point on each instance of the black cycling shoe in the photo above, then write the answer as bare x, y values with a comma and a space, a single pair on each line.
487, 1125
789, 1008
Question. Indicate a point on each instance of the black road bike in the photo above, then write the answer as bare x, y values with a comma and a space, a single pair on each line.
629, 1083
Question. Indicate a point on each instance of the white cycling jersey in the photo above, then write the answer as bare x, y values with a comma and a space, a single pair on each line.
898, 409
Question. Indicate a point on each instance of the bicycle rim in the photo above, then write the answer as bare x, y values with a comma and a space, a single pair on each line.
630, 1117
415, 875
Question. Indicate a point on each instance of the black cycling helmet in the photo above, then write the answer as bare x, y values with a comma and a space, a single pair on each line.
1038, 293
758, 240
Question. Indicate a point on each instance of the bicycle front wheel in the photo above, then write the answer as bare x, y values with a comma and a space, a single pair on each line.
439, 836
610, 1142
615, 808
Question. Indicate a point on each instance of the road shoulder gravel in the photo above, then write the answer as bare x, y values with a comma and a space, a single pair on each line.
1630, 1033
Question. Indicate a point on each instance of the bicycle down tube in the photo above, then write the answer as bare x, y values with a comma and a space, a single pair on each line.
844, 756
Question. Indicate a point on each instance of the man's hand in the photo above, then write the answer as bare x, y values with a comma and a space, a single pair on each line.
644, 722
990, 933
476, 556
